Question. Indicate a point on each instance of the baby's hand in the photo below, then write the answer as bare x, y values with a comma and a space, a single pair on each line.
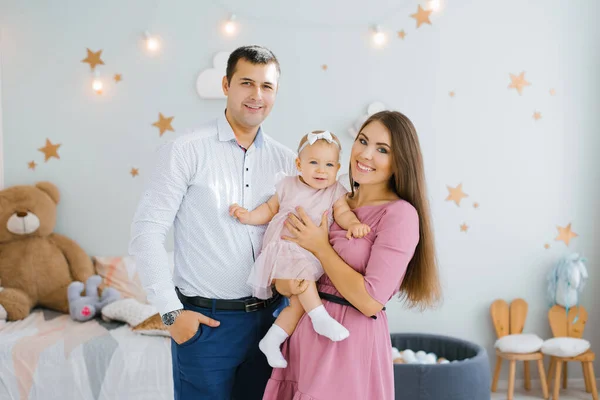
240, 213
358, 230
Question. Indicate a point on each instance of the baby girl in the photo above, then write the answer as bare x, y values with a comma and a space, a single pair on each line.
317, 190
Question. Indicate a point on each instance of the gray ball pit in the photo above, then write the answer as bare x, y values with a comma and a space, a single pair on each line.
467, 379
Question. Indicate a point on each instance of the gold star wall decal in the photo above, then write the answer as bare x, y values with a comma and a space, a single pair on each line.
451, 94
537, 115
401, 34
32, 165
134, 172
324, 67
552, 92
546, 246
164, 124
475, 205
518, 82
50, 150
93, 58
422, 16
464, 227
565, 234
456, 194
118, 78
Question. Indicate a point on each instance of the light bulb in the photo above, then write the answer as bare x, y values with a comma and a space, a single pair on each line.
435, 5
379, 37
230, 26
97, 85
152, 43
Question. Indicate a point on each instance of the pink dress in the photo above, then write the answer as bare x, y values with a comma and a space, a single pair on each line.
282, 259
359, 367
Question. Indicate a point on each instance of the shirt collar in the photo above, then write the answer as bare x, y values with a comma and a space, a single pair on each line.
226, 133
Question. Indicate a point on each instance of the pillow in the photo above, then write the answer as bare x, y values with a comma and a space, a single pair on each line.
143, 318
121, 273
130, 311
565, 347
519, 343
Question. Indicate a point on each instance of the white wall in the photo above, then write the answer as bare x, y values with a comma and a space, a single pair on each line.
528, 176
1, 123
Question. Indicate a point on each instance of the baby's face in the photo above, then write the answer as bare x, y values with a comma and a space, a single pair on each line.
318, 164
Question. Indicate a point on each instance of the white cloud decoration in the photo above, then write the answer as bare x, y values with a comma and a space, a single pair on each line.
372, 109
208, 84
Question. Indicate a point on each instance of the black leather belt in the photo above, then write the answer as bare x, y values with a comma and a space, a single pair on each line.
249, 305
339, 300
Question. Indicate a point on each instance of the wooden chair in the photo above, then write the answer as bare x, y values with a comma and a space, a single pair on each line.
564, 326
510, 320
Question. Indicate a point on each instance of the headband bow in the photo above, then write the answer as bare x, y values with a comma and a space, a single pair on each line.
313, 137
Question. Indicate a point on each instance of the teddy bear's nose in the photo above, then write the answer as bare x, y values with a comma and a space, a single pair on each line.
22, 214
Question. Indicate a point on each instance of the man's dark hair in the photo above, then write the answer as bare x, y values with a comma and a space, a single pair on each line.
254, 54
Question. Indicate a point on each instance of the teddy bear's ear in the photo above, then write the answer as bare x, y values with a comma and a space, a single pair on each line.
50, 189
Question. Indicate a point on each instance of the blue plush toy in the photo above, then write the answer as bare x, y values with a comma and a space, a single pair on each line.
84, 308
566, 282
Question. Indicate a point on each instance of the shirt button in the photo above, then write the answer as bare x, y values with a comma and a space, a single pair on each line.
247, 185
246, 169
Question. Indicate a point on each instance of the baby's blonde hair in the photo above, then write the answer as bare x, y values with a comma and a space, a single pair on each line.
305, 138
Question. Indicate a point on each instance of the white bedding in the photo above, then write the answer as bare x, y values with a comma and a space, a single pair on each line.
49, 356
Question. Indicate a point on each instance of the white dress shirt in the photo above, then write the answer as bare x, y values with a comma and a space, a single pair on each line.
196, 178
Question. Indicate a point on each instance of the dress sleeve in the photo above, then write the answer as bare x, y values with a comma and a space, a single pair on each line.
344, 179
282, 180
340, 191
396, 238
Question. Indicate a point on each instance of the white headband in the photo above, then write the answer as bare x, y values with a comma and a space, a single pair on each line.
313, 137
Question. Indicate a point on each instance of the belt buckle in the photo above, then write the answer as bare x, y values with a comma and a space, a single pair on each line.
254, 306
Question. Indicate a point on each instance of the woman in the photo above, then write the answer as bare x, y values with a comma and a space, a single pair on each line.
397, 256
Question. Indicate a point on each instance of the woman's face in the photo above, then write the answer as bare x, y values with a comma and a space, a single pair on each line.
371, 157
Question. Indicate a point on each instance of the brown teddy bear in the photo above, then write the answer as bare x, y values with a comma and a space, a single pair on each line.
36, 265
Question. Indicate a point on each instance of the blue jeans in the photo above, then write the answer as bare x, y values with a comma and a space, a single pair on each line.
223, 363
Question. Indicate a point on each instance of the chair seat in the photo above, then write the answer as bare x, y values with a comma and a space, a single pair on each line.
565, 347
522, 343
538, 355
588, 356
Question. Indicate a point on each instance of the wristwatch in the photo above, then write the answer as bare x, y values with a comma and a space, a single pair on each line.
169, 318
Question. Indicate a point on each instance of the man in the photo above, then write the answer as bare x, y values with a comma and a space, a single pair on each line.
214, 323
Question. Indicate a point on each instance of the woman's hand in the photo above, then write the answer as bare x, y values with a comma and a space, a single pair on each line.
305, 233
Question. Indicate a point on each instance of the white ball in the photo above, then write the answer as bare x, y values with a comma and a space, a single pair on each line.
430, 358
408, 352
409, 356
445, 362
421, 355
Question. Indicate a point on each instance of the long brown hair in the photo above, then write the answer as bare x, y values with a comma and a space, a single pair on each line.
420, 286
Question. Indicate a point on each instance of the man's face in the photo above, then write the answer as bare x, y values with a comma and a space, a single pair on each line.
251, 92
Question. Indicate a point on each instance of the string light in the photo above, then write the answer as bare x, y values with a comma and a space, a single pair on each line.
435, 5
152, 43
97, 83
379, 37
230, 27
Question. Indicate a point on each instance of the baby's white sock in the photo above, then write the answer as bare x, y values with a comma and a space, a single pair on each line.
327, 326
271, 346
